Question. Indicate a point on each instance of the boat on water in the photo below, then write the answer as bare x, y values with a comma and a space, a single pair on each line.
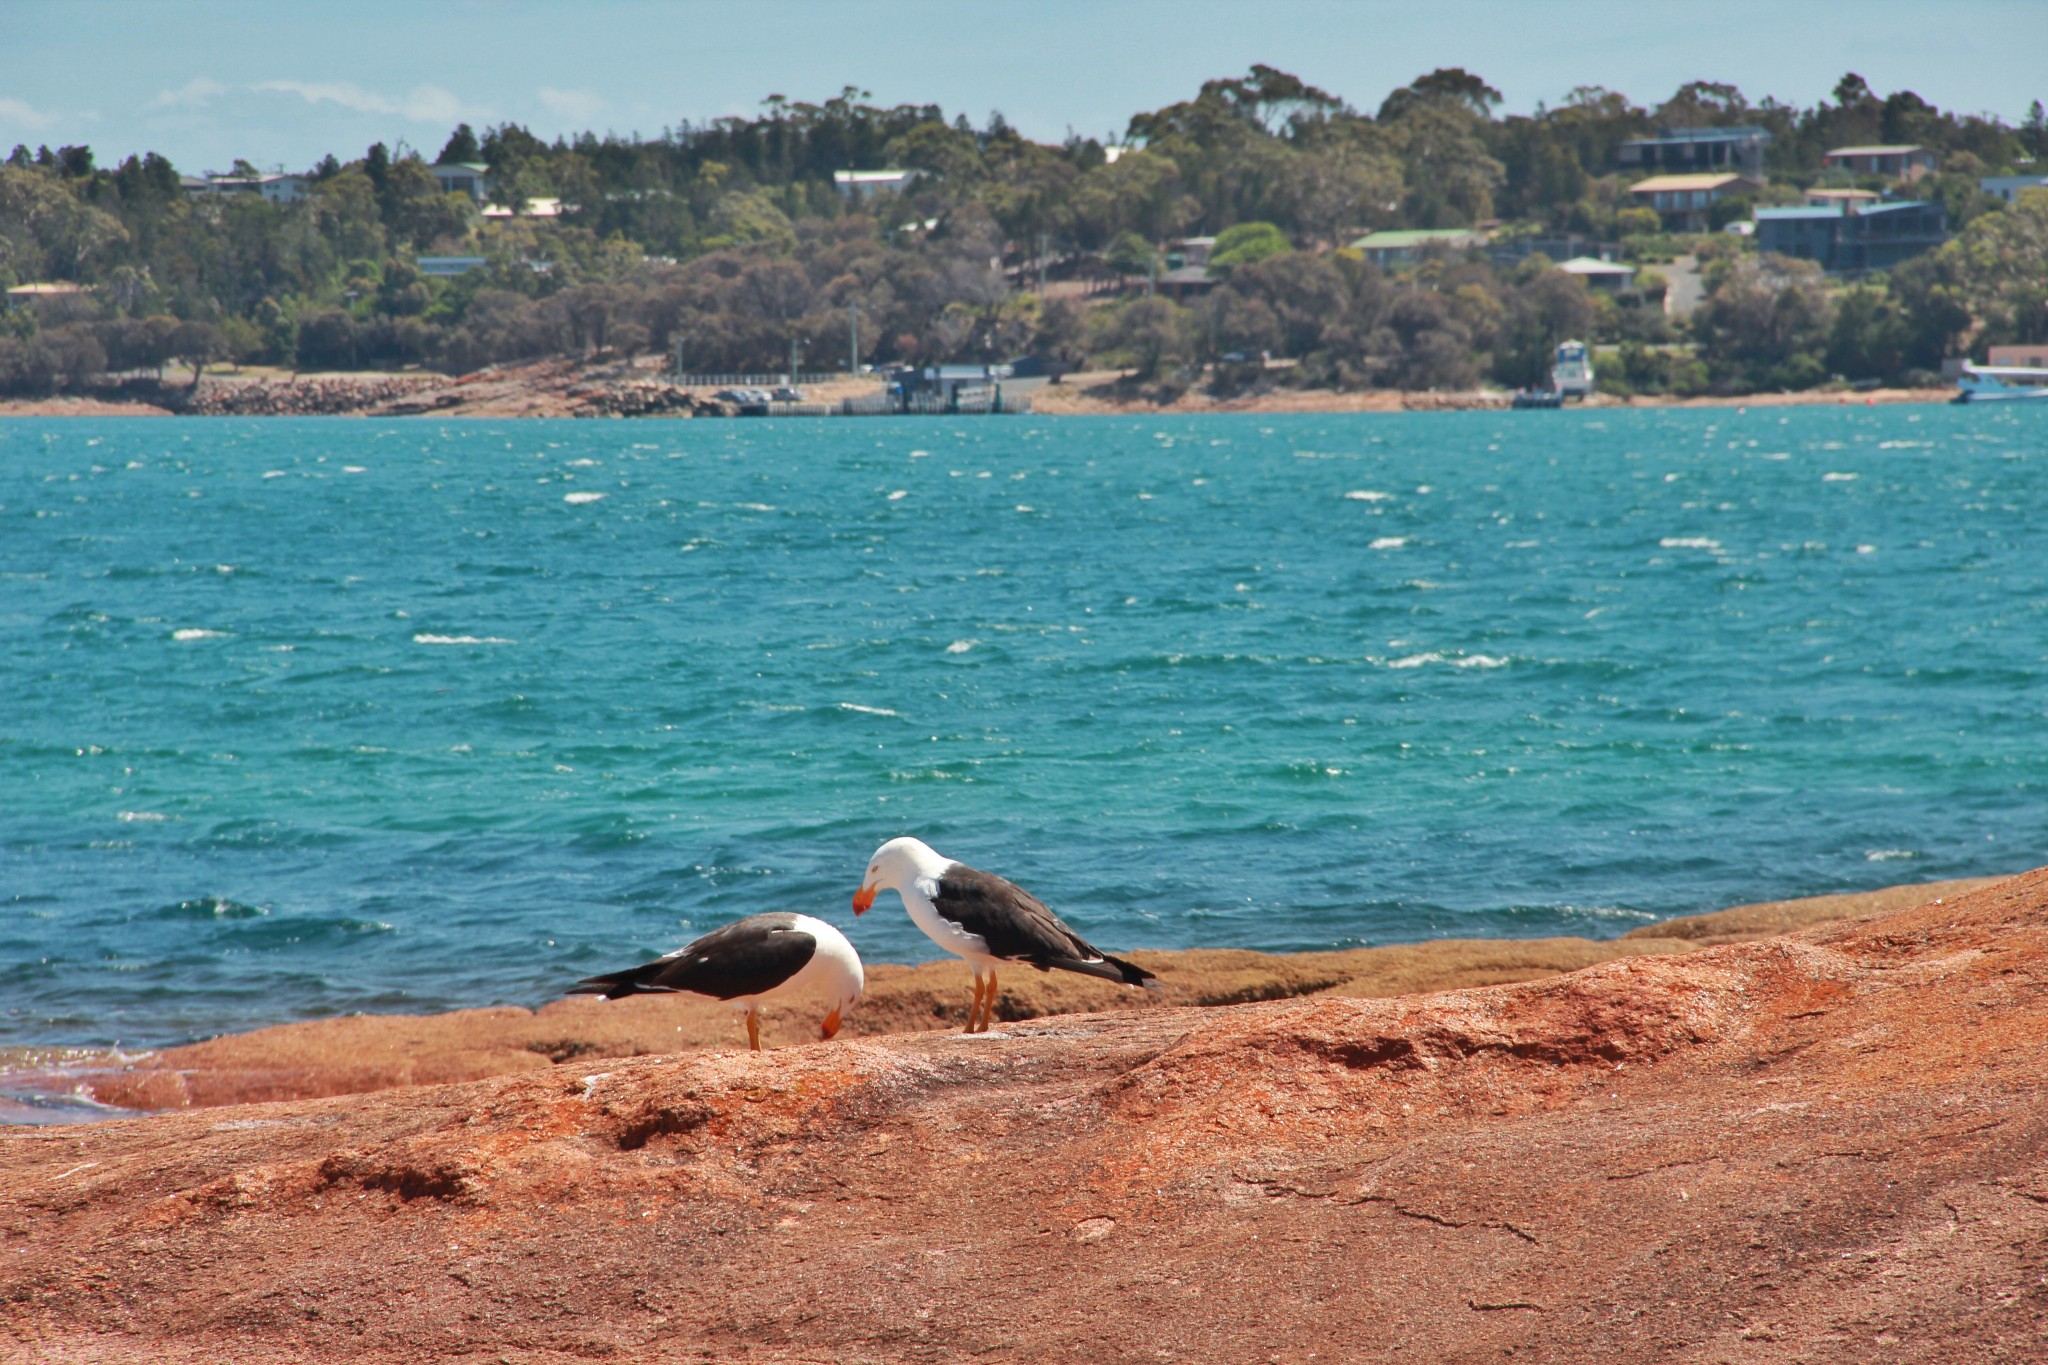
1571, 376
1572, 373
2002, 384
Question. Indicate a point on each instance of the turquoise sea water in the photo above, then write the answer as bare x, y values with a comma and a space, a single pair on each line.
304, 717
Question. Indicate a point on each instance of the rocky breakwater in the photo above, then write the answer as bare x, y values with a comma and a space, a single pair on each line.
1827, 1146
327, 397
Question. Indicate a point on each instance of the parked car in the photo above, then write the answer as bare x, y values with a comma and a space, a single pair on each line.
786, 394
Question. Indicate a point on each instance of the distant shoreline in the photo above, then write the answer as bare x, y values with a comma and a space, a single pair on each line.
620, 389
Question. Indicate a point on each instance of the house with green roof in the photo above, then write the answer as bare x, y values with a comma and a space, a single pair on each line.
1408, 245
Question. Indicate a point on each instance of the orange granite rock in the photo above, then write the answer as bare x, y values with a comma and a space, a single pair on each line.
1828, 1146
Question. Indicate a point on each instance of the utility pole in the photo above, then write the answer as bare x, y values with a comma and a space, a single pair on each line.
792, 362
853, 333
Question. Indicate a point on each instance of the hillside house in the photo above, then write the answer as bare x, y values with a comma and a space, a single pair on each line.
1693, 151
868, 184
1404, 247
472, 178
1819, 196
1905, 162
448, 267
1611, 276
279, 187
2007, 187
1683, 201
1847, 238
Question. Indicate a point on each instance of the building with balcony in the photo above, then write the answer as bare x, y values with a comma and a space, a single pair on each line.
1691, 151
1847, 238
472, 178
1904, 162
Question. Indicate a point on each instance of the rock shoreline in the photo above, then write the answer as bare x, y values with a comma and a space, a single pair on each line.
362, 1053
1826, 1146
618, 388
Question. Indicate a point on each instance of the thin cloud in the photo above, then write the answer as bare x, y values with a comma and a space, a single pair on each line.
579, 106
425, 103
196, 93
23, 113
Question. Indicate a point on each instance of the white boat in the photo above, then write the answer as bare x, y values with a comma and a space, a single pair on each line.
1572, 375
2002, 383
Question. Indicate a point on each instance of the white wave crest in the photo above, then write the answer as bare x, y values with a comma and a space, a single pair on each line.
425, 639
577, 499
141, 817
1437, 656
1389, 543
865, 710
961, 646
1888, 855
195, 633
1368, 495
1837, 476
1689, 543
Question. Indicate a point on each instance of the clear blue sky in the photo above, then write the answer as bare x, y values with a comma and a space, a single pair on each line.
285, 81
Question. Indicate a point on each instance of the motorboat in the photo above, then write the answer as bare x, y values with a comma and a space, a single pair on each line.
2002, 383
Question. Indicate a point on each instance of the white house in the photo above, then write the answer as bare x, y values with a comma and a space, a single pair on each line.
472, 178
279, 187
1599, 274
867, 184
2007, 187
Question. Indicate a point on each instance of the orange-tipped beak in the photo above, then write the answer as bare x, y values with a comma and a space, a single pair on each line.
863, 899
830, 1028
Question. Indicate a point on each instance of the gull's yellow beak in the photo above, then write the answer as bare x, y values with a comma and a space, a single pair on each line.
830, 1027
863, 899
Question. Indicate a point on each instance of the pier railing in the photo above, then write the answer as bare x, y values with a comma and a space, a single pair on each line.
970, 402
753, 381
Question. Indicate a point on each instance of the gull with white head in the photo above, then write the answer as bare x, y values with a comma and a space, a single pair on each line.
986, 920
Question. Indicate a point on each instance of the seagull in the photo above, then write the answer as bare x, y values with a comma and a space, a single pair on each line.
985, 919
746, 961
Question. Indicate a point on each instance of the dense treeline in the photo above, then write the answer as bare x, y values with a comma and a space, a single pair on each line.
724, 243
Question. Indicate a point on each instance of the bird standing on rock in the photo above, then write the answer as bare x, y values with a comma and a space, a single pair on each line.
986, 920
746, 961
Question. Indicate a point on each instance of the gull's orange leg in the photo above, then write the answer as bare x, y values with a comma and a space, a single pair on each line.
988, 1009
974, 1010
753, 1029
